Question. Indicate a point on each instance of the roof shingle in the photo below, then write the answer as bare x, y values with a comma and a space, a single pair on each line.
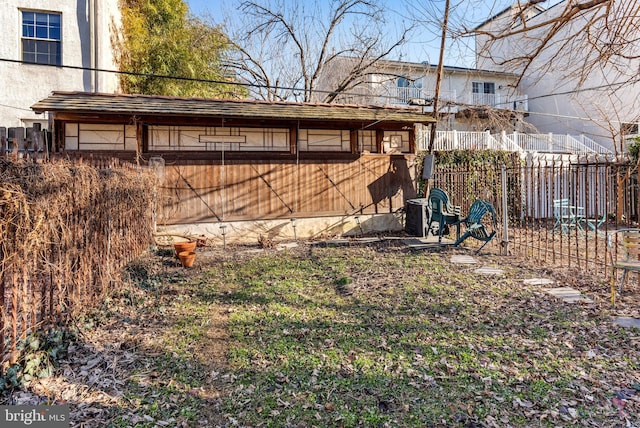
85, 102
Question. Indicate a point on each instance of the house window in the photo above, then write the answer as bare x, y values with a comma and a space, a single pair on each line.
484, 88
403, 82
41, 37
484, 93
408, 89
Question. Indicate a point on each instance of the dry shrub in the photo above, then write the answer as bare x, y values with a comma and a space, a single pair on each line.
65, 230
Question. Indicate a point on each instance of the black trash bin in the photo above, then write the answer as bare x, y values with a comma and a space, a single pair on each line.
417, 218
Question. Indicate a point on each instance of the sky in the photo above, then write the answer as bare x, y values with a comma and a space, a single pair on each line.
424, 44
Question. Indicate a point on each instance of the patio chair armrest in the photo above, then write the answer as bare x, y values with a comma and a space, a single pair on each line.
610, 235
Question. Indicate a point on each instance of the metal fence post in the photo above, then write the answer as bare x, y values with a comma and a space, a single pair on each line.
505, 213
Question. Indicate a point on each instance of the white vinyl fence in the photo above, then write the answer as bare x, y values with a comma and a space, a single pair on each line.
515, 142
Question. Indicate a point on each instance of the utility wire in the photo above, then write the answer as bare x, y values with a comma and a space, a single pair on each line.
192, 79
255, 85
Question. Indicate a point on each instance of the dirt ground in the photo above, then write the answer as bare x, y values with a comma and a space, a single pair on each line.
121, 343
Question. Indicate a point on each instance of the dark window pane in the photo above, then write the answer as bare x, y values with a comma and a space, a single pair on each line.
28, 18
42, 19
54, 33
29, 57
42, 32
54, 20
28, 45
54, 50
28, 31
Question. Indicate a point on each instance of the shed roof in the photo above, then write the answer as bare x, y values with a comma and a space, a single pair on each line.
86, 102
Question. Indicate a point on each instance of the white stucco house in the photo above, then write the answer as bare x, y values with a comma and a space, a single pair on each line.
562, 98
464, 94
48, 45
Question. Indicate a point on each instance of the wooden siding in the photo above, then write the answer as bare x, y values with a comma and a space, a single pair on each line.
263, 189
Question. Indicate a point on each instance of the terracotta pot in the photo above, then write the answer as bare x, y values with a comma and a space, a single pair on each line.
187, 258
184, 246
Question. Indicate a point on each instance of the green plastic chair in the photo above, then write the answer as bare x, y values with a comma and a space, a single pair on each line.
442, 212
474, 226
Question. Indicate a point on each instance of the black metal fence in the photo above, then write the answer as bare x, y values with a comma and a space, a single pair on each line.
560, 208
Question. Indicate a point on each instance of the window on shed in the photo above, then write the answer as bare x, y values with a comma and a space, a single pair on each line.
395, 142
216, 139
324, 140
41, 38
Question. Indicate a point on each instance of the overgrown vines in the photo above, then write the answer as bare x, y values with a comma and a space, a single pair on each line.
65, 231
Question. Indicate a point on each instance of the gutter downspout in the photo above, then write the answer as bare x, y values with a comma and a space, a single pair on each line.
93, 43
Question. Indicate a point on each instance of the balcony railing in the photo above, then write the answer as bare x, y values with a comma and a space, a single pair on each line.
518, 102
404, 96
515, 142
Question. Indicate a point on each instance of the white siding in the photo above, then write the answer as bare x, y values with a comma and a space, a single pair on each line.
596, 109
24, 84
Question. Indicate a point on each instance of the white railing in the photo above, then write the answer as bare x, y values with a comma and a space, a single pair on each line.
559, 143
515, 142
597, 148
404, 96
517, 102
455, 140
407, 95
508, 143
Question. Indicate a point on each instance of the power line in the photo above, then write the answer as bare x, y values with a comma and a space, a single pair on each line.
193, 79
16, 107
260, 86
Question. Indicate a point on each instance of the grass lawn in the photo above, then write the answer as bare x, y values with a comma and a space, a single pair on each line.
371, 335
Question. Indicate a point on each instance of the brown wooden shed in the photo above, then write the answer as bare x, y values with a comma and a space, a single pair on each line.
231, 160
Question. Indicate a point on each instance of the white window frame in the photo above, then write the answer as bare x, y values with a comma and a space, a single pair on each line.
41, 37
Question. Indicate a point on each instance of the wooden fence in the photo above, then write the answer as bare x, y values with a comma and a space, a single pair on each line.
65, 231
25, 142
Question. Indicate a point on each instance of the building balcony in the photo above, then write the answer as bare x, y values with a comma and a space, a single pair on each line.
452, 102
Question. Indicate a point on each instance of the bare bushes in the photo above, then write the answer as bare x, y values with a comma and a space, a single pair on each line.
65, 231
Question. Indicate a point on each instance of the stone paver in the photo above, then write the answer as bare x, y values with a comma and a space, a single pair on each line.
286, 245
488, 270
463, 260
420, 243
627, 322
539, 281
568, 295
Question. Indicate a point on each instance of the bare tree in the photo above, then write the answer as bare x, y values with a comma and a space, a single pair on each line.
582, 54
594, 32
287, 48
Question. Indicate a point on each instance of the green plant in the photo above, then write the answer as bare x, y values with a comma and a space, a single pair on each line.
634, 148
37, 358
